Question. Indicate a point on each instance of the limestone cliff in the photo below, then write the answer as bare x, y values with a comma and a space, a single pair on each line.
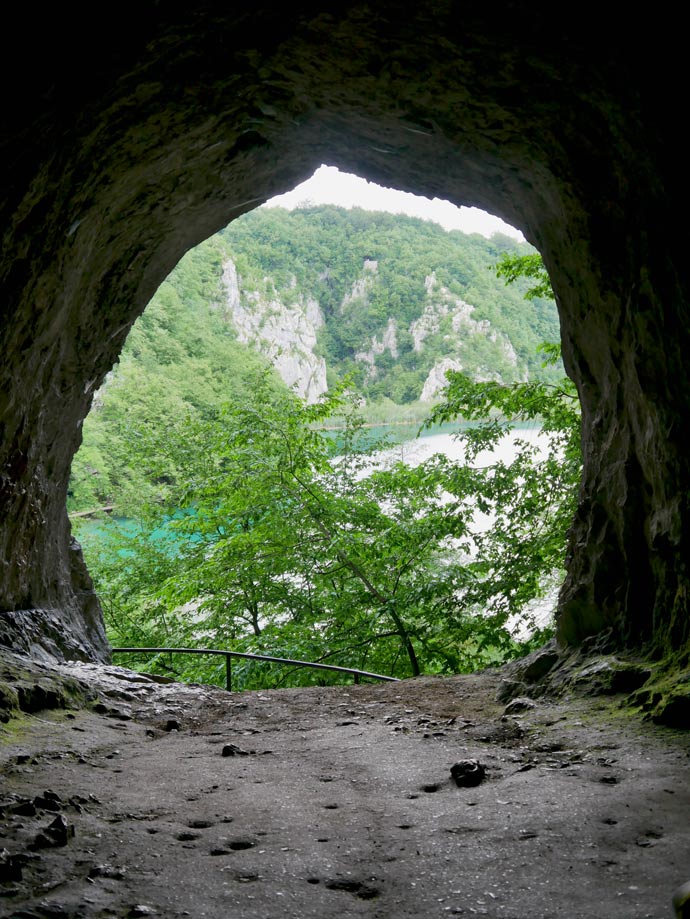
375, 347
436, 380
382, 336
284, 333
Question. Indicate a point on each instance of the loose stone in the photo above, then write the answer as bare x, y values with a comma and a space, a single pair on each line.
468, 773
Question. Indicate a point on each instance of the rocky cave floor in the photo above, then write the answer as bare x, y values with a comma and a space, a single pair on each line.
124, 797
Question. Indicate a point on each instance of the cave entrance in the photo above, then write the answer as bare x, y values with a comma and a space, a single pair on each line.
376, 292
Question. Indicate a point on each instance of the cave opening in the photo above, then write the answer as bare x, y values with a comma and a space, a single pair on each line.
161, 376
124, 147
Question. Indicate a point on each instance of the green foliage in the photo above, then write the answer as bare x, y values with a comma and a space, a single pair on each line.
287, 549
530, 499
296, 543
252, 526
181, 360
330, 253
515, 267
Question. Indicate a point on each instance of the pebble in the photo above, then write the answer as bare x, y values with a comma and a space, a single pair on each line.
521, 704
58, 833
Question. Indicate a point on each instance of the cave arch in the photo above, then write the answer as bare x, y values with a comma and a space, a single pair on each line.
121, 153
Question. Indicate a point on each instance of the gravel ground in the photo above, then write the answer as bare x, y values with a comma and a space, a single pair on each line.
173, 800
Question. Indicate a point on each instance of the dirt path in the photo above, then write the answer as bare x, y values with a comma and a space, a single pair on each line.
176, 801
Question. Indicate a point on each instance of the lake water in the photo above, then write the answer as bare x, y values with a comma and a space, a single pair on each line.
418, 450
411, 449
444, 440
406, 444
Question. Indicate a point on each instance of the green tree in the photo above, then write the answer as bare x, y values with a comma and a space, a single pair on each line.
530, 498
512, 267
286, 545
272, 535
284, 540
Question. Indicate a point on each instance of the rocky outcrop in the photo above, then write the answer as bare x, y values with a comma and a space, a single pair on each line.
377, 346
285, 334
120, 153
436, 381
362, 286
284, 325
430, 320
441, 304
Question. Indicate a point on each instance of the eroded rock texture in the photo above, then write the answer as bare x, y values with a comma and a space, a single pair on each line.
126, 142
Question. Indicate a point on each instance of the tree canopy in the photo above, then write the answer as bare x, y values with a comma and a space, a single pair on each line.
283, 539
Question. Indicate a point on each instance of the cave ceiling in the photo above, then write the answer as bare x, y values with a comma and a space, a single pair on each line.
127, 139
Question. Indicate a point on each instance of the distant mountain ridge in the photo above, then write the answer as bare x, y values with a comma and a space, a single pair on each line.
393, 301
320, 292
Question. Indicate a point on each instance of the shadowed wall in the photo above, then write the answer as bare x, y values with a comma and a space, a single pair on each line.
124, 144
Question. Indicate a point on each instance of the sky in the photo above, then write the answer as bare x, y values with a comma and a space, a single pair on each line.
330, 186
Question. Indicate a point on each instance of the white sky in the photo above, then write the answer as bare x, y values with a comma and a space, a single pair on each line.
330, 186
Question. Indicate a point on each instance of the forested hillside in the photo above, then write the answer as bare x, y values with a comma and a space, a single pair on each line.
238, 517
180, 362
320, 293
389, 299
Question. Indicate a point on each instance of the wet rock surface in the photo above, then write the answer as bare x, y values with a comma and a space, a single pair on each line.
343, 804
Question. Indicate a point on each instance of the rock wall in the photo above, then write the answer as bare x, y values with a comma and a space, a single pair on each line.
436, 380
442, 304
375, 347
122, 148
284, 325
286, 334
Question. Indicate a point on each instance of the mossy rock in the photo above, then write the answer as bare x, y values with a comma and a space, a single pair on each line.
35, 697
529, 670
666, 700
30, 686
674, 711
609, 676
9, 702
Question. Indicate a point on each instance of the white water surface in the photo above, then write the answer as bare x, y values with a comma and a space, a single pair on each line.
416, 451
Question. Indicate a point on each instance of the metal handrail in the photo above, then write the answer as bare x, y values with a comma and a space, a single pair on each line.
256, 657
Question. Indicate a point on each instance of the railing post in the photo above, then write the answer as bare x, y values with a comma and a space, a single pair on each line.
228, 672
356, 676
